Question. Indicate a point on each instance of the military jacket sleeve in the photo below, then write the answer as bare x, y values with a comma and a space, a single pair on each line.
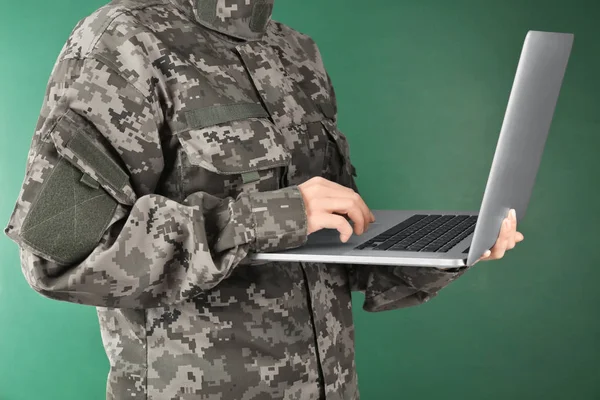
392, 287
90, 225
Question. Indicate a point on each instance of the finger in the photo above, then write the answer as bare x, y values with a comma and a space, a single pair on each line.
499, 248
485, 255
333, 221
519, 237
326, 188
364, 209
513, 230
511, 243
505, 231
497, 252
342, 206
513, 219
360, 224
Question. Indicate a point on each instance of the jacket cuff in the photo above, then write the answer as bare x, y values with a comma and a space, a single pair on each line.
279, 218
406, 287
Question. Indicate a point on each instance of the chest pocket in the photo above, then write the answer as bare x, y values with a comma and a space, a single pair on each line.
231, 149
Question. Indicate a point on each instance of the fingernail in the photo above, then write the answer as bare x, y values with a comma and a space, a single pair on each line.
487, 253
513, 213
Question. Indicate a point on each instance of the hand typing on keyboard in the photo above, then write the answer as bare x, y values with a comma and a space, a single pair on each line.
507, 239
327, 203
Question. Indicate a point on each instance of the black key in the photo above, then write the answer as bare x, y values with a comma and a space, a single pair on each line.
444, 224
422, 233
407, 232
446, 238
464, 227
401, 226
416, 247
382, 237
441, 235
408, 226
398, 247
409, 237
457, 239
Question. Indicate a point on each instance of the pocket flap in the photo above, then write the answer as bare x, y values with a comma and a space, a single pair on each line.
215, 115
341, 143
236, 147
80, 143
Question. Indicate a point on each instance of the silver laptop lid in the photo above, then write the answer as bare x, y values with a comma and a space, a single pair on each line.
524, 131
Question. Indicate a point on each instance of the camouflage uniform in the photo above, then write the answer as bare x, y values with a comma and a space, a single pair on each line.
170, 144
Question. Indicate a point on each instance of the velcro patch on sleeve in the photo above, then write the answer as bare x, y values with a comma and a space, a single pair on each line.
68, 218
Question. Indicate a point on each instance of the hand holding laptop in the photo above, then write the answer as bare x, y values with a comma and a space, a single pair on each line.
326, 202
507, 239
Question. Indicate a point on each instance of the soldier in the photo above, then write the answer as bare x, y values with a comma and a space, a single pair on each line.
177, 136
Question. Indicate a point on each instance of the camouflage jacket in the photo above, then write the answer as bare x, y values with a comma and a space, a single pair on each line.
170, 144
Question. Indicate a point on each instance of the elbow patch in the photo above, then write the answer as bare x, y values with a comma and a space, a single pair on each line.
69, 215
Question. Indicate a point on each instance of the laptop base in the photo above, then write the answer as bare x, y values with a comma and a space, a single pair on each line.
325, 246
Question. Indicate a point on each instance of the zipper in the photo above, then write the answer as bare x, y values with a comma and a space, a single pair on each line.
312, 321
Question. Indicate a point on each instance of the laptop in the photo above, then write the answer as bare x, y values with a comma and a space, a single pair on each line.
446, 239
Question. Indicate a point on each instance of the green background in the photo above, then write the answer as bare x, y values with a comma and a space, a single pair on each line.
422, 87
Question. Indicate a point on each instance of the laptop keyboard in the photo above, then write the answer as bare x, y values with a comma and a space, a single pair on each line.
429, 233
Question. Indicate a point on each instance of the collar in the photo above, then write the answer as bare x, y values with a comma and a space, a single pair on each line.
242, 19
